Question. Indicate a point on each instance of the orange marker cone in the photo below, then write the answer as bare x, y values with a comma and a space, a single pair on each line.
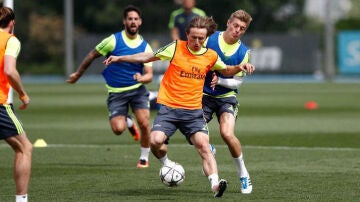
311, 105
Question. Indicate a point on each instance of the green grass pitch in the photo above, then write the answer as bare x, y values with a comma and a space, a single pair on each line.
292, 154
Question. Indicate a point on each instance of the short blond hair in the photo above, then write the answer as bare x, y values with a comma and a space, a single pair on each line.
241, 15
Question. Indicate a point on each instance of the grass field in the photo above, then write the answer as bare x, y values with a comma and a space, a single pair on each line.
292, 154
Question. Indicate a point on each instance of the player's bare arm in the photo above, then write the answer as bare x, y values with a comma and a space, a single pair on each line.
232, 70
214, 81
14, 80
147, 77
83, 66
143, 57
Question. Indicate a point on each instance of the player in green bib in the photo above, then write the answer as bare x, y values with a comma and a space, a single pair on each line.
180, 19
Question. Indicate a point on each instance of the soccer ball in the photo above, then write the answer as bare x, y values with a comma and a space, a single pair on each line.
172, 175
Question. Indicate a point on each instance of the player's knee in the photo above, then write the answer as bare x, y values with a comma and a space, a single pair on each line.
202, 146
205, 149
25, 147
156, 139
227, 135
155, 142
118, 125
118, 130
30, 148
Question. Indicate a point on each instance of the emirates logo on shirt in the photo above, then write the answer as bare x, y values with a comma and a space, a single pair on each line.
194, 74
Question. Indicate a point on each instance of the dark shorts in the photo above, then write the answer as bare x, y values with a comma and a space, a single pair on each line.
218, 106
168, 120
118, 103
10, 125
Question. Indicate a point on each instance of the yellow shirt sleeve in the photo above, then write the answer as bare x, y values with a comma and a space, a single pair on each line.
106, 45
219, 65
245, 60
166, 52
230, 49
148, 49
13, 47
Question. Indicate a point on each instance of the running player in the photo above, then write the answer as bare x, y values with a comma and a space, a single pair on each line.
125, 81
11, 129
180, 94
222, 100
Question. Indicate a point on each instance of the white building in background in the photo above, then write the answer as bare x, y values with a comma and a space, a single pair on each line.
317, 8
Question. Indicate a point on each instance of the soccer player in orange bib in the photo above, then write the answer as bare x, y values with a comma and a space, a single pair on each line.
180, 94
11, 129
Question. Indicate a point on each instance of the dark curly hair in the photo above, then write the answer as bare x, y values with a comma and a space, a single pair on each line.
130, 8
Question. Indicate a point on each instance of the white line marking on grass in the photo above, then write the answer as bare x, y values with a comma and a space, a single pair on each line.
217, 146
304, 148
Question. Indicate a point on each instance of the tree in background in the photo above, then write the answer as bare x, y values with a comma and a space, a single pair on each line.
352, 22
41, 25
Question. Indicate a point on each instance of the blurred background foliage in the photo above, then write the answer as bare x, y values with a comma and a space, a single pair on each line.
40, 23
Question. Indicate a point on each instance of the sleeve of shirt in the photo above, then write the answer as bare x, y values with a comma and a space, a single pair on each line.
166, 52
233, 83
219, 65
13, 47
199, 11
106, 45
245, 60
246, 57
172, 18
148, 49
171, 21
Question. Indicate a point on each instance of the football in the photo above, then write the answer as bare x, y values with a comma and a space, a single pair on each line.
172, 175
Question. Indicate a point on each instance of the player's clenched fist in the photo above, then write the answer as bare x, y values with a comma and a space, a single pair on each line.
73, 77
247, 67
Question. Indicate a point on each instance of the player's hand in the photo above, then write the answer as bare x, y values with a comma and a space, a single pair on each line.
73, 77
138, 77
111, 59
214, 81
247, 67
25, 100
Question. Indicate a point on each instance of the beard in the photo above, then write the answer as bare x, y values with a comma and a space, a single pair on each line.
132, 30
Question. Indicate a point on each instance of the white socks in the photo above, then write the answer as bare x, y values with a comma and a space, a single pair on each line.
213, 179
240, 166
144, 153
129, 122
21, 198
165, 160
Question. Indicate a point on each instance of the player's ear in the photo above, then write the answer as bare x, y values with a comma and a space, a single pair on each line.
228, 22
